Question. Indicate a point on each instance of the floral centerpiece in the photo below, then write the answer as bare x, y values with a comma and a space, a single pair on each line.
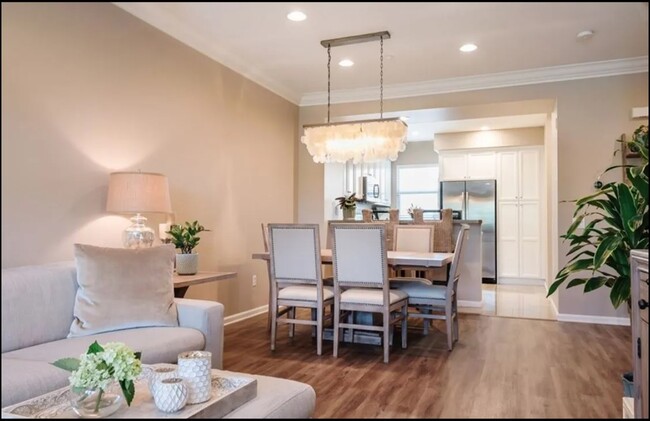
95, 371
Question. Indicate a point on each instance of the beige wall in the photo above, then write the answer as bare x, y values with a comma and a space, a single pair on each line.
591, 114
88, 89
528, 136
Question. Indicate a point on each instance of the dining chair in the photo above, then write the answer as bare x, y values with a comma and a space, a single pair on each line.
296, 281
416, 238
359, 257
439, 301
265, 240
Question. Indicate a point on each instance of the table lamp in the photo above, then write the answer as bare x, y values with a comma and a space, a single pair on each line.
138, 192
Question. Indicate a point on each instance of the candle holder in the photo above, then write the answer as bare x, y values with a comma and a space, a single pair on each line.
195, 367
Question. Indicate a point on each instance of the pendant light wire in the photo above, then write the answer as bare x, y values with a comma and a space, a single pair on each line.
329, 63
381, 77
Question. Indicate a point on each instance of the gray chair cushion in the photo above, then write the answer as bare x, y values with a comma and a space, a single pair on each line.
157, 344
23, 380
422, 290
278, 398
370, 296
304, 293
409, 279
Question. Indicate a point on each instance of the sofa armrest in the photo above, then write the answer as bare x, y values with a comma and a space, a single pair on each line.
207, 317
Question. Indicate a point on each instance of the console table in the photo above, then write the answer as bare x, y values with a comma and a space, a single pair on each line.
183, 282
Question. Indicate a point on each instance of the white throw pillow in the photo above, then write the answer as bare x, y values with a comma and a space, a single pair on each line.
122, 289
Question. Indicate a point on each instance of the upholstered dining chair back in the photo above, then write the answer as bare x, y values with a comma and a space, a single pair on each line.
418, 238
265, 236
295, 253
359, 255
459, 253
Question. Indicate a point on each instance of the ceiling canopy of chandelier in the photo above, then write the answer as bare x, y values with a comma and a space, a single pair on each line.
359, 141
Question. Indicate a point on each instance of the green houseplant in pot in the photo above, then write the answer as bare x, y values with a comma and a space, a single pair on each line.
616, 222
348, 204
617, 216
185, 238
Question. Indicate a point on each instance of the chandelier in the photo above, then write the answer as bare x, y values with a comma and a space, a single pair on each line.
359, 141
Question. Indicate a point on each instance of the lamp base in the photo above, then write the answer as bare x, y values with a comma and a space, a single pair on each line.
138, 235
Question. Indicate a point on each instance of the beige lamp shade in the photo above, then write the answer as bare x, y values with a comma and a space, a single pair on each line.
135, 192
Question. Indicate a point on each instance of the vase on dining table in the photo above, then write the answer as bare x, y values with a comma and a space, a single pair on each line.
349, 213
97, 402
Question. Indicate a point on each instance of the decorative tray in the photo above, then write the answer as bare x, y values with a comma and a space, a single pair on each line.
229, 391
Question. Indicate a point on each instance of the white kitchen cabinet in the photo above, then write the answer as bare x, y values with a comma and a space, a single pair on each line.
467, 165
452, 166
481, 166
519, 218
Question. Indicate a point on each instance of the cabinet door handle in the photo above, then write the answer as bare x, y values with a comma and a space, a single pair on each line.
643, 304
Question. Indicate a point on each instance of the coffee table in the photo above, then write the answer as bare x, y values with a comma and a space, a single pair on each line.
229, 391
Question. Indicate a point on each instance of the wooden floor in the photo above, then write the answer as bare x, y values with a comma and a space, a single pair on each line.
501, 367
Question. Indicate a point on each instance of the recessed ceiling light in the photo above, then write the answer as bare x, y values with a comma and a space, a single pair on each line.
346, 62
484, 128
585, 35
415, 133
297, 16
468, 48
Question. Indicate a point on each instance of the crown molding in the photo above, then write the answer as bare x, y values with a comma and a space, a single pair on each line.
166, 22
486, 81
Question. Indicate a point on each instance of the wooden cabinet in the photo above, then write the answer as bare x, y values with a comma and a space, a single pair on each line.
519, 215
640, 302
467, 166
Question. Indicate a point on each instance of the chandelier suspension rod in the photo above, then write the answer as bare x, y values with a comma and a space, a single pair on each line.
374, 120
355, 39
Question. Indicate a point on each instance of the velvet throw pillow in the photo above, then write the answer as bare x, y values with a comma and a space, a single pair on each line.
123, 289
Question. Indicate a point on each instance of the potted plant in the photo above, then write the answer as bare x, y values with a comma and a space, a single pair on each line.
412, 210
348, 204
617, 216
618, 222
185, 238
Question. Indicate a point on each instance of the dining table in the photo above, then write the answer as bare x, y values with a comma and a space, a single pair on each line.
395, 258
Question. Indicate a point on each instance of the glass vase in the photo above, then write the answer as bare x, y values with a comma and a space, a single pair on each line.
97, 403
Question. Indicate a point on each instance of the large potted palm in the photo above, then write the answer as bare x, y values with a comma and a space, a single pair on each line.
617, 216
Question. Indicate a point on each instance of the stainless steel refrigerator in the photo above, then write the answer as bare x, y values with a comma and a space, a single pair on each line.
476, 199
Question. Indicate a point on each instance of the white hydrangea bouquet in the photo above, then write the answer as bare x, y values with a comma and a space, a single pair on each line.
100, 365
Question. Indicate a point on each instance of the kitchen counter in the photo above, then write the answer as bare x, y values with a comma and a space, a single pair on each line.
467, 221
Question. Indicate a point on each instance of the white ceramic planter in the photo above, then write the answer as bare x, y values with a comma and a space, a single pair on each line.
195, 367
155, 375
187, 264
170, 395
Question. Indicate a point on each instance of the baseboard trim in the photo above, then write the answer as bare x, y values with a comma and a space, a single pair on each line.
234, 318
467, 303
521, 281
599, 320
555, 309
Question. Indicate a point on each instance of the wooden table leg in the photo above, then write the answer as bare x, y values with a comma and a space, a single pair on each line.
180, 292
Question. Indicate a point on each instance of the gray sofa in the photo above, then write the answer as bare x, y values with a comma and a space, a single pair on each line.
37, 308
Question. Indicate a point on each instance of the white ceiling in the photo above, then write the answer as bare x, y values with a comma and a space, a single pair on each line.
257, 40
